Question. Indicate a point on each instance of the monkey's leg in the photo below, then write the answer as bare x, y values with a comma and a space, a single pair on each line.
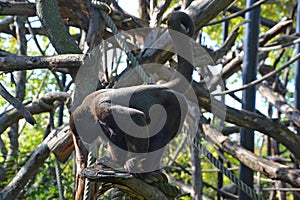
128, 134
85, 130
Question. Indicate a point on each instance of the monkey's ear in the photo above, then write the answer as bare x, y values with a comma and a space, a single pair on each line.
181, 22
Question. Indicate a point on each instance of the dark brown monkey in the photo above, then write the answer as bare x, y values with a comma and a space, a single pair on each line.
137, 122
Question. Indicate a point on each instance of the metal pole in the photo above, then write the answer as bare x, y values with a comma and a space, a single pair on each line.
297, 78
249, 69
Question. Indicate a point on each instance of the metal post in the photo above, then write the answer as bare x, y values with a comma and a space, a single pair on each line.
249, 68
297, 78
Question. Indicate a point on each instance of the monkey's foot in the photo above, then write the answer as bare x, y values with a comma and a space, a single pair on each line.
108, 162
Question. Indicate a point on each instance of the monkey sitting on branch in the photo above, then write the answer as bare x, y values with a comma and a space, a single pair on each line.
137, 122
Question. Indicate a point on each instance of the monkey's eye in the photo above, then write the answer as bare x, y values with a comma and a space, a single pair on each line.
185, 28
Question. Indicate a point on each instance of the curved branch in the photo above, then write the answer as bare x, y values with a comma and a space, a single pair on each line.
123, 180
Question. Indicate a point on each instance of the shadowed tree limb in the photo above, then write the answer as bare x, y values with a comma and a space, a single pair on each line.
17, 8
17, 104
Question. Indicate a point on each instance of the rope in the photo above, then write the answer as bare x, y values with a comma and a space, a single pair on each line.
88, 183
58, 173
104, 8
241, 185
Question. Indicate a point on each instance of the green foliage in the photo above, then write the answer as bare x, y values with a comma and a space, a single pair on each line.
9, 42
45, 185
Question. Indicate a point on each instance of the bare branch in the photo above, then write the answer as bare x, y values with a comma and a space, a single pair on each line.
34, 38
269, 168
61, 144
157, 13
229, 42
132, 184
233, 64
252, 121
284, 44
279, 102
253, 83
275, 30
241, 12
202, 11
12, 63
143, 9
57, 32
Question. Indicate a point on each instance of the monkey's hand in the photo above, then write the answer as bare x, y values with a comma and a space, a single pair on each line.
133, 165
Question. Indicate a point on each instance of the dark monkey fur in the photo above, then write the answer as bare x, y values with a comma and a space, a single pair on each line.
100, 112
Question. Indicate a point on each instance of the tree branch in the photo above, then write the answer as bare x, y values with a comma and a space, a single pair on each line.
203, 11
269, 168
44, 104
131, 183
241, 12
17, 8
12, 63
265, 77
56, 30
157, 13
252, 121
17, 104
229, 42
279, 102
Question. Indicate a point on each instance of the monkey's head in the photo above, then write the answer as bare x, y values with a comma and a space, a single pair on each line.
181, 22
